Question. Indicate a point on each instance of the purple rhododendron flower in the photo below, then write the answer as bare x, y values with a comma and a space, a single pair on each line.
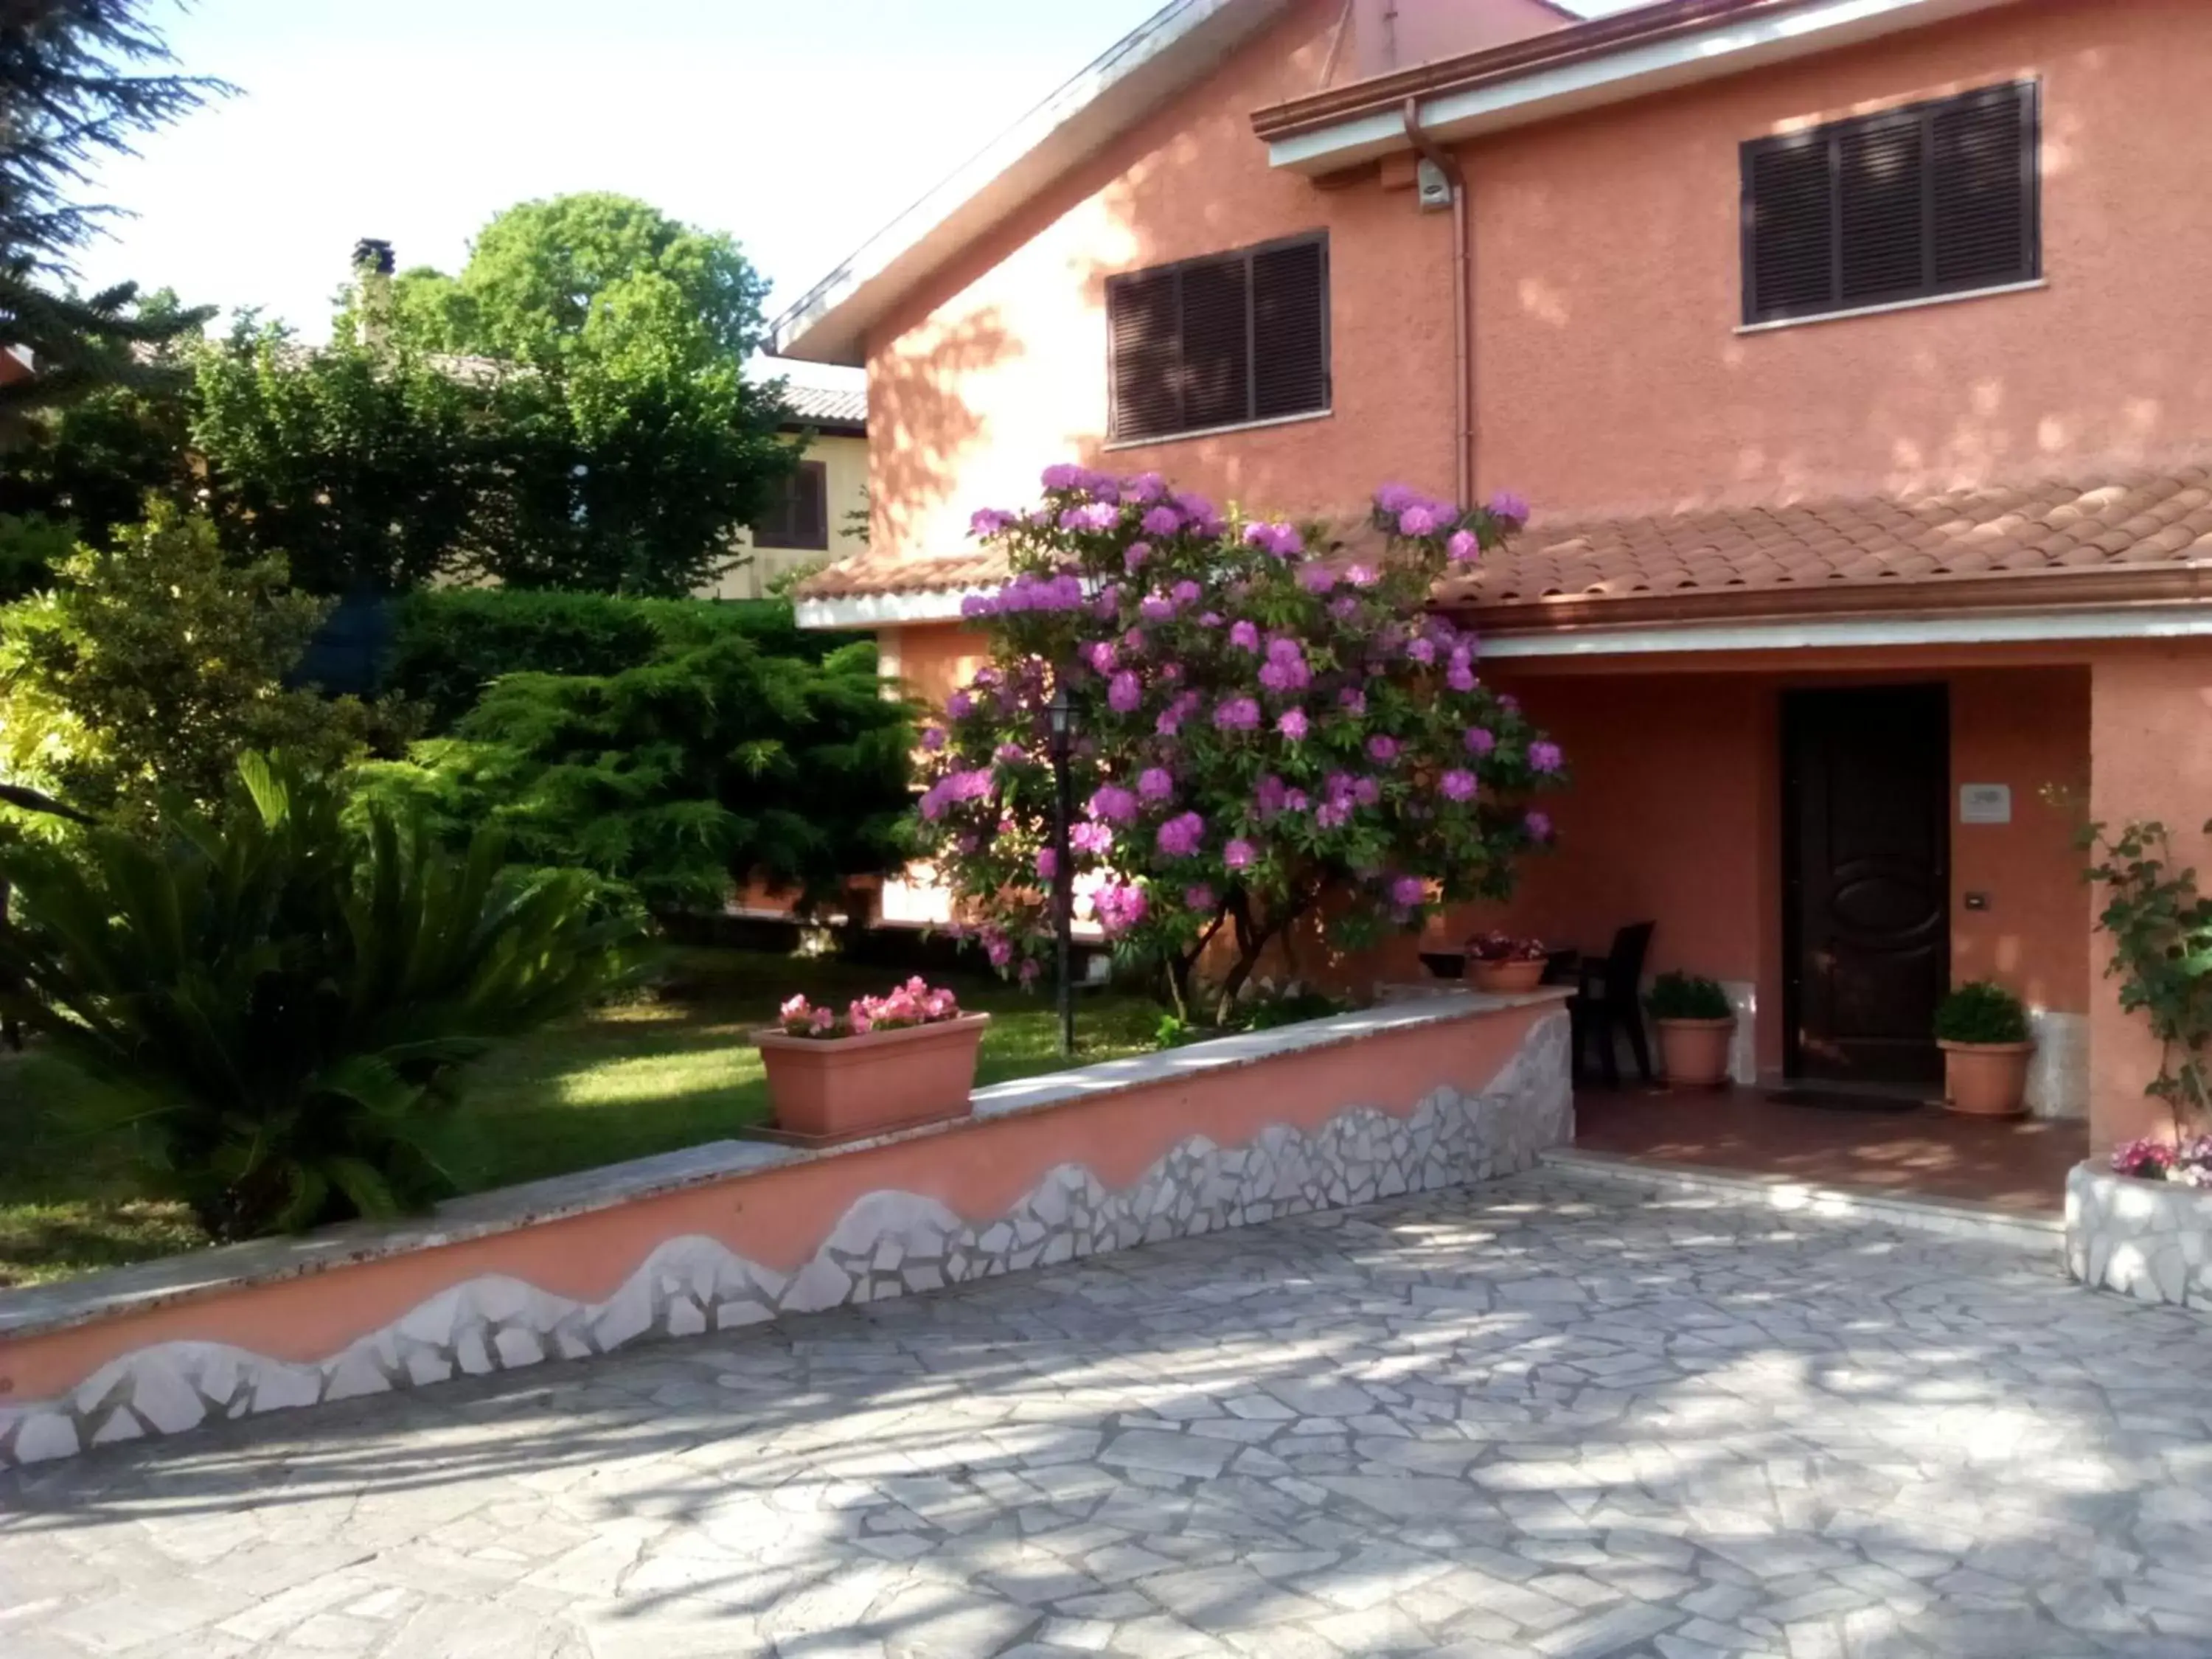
1396, 497
989, 520
932, 738
1334, 814
1156, 608
1294, 800
1144, 487
1462, 546
1108, 603
1119, 907
1544, 757
1268, 796
1366, 791
1134, 639
1099, 653
1192, 504
1095, 839
1460, 674
1113, 804
1181, 836
1236, 714
1291, 723
1418, 520
1063, 475
1344, 607
1185, 591
1317, 578
1091, 515
1124, 693
1507, 504
999, 949
1362, 575
1162, 520
1509, 703
1009, 754
1210, 619
1239, 854
1155, 783
1048, 864
1353, 700
1200, 897
1134, 555
1421, 651
1382, 749
960, 705
1282, 540
1458, 784
1479, 741
1407, 891
1244, 635
1539, 825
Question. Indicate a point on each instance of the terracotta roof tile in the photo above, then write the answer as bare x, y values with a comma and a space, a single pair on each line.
1984, 537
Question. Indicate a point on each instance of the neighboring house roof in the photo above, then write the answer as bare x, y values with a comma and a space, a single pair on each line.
1169, 51
831, 410
2102, 540
1629, 54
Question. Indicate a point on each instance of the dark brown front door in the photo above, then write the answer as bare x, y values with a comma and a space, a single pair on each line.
1866, 780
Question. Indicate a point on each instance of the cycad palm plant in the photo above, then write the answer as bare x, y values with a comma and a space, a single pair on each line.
287, 1004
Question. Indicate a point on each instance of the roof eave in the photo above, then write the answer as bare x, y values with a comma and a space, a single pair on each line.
1608, 60
1168, 51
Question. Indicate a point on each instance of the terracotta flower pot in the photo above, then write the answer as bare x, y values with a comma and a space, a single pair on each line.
1508, 978
825, 1087
1985, 1079
1694, 1052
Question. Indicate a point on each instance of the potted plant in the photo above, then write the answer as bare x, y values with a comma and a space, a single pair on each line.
1981, 1029
1506, 963
1695, 1025
903, 1058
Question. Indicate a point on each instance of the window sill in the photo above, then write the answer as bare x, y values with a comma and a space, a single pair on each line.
1217, 431
1893, 305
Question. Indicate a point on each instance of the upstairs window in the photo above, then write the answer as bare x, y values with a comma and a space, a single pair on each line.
800, 516
1909, 204
1219, 342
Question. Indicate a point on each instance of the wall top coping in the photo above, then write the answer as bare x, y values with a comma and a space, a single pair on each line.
148, 1284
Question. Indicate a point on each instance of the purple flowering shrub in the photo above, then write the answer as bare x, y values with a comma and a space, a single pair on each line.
1263, 731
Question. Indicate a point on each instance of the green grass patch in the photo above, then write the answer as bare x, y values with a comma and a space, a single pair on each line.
653, 1075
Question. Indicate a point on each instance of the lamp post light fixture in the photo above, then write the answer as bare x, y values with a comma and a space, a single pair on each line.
1061, 714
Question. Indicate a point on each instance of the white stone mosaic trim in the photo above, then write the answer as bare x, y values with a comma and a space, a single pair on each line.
2058, 1070
2151, 1240
888, 1244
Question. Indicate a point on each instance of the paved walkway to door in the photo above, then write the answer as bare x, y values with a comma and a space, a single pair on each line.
1538, 1418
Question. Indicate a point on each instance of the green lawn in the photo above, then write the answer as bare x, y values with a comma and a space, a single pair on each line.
649, 1076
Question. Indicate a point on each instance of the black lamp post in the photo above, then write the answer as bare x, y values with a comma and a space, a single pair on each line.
1062, 716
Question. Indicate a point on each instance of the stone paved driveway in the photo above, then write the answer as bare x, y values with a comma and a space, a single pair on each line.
1539, 1418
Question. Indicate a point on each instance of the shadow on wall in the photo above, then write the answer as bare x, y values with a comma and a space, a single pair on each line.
1552, 1406
921, 427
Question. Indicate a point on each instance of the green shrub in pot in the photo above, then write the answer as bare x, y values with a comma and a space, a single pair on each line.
1687, 996
1982, 1011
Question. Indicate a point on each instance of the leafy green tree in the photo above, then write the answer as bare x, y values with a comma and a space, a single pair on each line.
74, 83
366, 462
710, 762
631, 445
152, 665
288, 1007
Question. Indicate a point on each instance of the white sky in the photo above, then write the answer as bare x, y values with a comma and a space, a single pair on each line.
800, 128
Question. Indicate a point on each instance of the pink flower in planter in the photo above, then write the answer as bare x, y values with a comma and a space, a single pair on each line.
1458, 784
821, 1023
1125, 692
857, 1020
1239, 854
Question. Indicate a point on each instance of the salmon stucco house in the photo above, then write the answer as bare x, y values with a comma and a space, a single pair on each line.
1856, 356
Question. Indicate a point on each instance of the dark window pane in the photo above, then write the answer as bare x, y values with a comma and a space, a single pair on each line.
1792, 229
1290, 330
800, 516
1217, 356
1880, 174
1982, 168
1140, 314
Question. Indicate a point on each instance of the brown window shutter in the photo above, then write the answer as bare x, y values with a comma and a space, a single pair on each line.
1789, 251
1290, 330
1983, 147
1217, 342
1140, 317
1881, 212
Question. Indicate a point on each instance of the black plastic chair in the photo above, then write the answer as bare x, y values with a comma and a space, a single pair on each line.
1608, 998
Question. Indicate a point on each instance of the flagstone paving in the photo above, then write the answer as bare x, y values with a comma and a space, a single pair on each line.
1539, 1418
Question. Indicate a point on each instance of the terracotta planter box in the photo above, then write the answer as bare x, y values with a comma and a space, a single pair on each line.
840, 1088
1986, 1079
1507, 978
1694, 1052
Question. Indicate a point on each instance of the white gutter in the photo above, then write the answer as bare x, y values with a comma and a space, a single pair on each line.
887, 610
1634, 71
1158, 58
2184, 619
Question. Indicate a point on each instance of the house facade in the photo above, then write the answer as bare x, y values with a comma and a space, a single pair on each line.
817, 513
1851, 353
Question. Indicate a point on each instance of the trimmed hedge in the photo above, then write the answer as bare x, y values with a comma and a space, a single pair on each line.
449, 643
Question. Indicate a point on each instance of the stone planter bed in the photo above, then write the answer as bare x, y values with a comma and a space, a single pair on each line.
2151, 1240
1408, 1097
